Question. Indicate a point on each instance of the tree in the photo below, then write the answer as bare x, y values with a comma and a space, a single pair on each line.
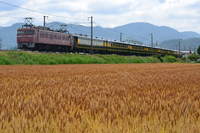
198, 50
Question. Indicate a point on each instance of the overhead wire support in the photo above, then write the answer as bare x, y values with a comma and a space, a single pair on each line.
91, 34
152, 40
121, 37
45, 20
179, 46
28, 22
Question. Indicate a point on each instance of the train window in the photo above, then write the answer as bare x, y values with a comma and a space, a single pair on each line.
59, 37
63, 38
51, 36
30, 32
48, 35
20, 32
41, 34
45, 35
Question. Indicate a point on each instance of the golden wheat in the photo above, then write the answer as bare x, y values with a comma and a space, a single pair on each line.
142, 98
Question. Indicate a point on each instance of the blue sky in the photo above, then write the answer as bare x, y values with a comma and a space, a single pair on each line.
183, 15
4, 7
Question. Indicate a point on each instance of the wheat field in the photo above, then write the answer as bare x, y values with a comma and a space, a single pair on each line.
136, 98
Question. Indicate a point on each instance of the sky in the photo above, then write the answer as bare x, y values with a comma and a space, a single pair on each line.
183, 15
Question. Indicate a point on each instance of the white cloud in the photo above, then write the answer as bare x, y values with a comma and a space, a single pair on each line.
180, 14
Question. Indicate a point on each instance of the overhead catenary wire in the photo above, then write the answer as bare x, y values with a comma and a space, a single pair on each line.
31, 10
49, 14
40, 12
85, 23
57, 16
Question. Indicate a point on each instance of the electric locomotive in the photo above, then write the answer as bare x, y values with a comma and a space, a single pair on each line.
43, 39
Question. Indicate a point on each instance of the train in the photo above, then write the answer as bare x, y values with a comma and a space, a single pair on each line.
45, 39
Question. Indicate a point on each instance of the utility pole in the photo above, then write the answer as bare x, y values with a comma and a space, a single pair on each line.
184, 48
121, 37
195, 50
190, 49
156, 43
152, 40
91, 19
0, 44
179, 46
45, 20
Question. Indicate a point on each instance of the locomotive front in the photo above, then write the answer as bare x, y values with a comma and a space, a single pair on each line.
26, 38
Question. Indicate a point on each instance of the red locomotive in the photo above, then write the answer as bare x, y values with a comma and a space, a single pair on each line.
42, 38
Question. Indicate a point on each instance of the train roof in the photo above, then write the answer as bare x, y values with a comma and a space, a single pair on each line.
43, 28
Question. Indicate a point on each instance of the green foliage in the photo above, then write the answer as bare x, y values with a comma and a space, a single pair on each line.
198, 50
169, 59
194, 57
5, 60
16, 57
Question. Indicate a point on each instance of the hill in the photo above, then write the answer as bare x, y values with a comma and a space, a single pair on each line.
133, 31
186, 44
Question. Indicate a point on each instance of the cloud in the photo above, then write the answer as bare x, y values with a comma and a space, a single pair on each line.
180, 14
4, 6
162, 1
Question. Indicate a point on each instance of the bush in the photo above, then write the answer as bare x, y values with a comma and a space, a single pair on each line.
198, 50
169, 59
18, 57
5, 61
194, 57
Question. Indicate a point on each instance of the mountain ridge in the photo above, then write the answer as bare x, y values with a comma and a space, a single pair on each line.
139, 31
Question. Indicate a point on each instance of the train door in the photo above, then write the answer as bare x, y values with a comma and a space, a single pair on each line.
74, 42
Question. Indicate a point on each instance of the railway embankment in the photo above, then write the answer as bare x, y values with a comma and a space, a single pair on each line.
37, 58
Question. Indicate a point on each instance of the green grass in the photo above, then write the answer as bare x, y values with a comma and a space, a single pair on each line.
30, 58
170, 59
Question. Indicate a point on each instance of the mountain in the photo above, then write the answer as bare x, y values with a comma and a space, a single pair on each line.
190, 34
8, 36
133, 31
185, 45
141, 32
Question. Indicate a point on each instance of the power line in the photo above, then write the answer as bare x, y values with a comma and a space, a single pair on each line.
13, 5
35, 11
